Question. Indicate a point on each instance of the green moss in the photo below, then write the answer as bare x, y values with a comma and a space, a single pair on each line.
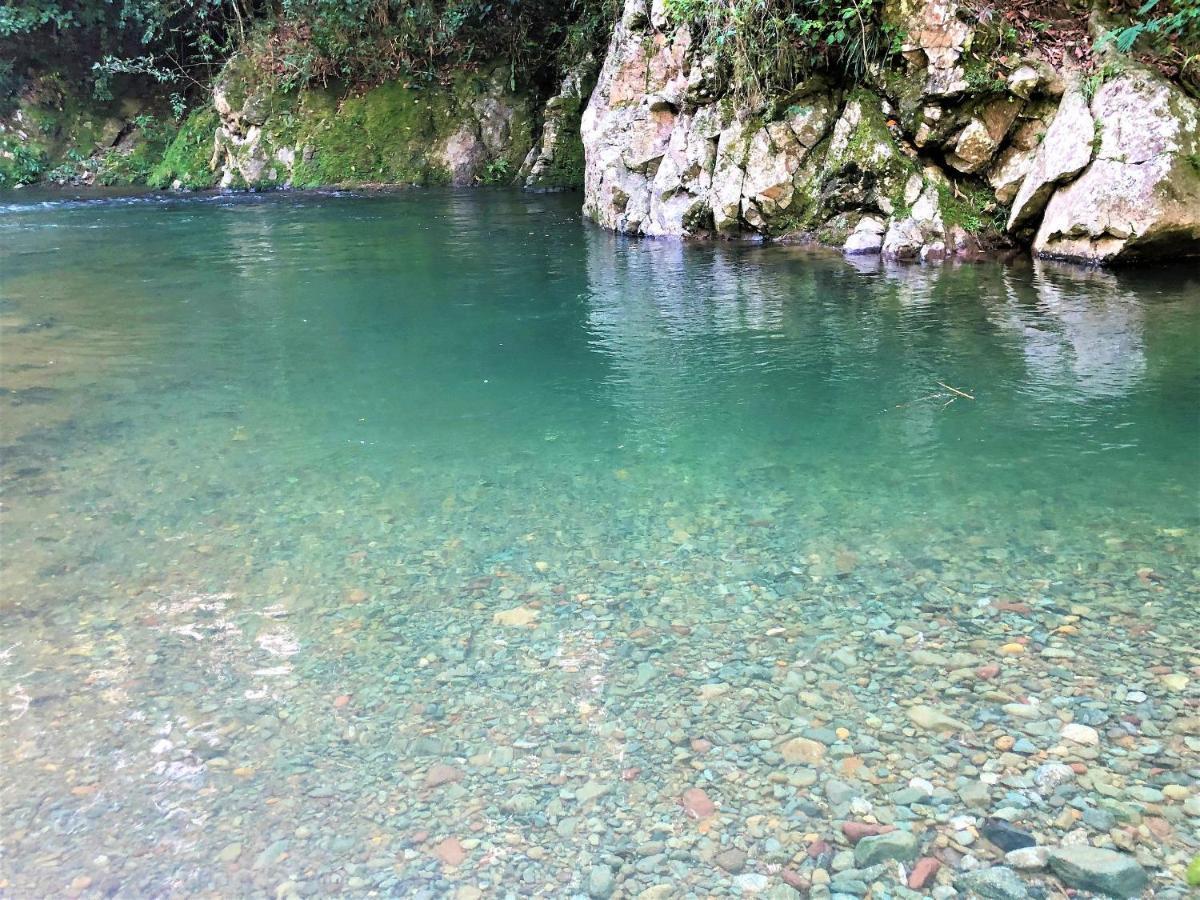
389, 134
566, 168
384, 135
973, 208
186, 159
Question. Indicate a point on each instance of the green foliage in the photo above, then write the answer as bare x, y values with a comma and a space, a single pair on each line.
1092, 83
766, 46
20, 164
1169, 29
973, 207
367, 41
498, 171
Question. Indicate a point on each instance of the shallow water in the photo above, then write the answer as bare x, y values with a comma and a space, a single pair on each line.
439, 542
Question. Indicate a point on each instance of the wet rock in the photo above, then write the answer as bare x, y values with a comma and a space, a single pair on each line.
975, 794
923, 872
899, 845
1028, 859
856, 831
732, 860
1080, 734
933, 719
600, 883
996, 883
442, 773
450, 851
1005, 836
697, 804
800, 750
1097, 869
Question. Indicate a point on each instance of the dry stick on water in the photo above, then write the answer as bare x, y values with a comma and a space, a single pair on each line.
954, 394
956, 391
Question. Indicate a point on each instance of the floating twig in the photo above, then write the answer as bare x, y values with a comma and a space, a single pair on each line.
956, 391
948, 394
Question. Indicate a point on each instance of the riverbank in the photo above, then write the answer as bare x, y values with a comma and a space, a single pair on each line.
966, 140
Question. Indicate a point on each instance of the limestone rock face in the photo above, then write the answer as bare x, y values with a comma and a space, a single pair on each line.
1141, 194
1063, 154
667, 154
470, 130
889, 168
936, 35
555, 162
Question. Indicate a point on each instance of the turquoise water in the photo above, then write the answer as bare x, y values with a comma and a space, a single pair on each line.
272, 465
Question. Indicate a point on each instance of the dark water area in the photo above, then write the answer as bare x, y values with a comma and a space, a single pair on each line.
441, 542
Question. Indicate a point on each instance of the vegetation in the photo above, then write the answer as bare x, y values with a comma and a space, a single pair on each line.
1166, 30
183, 43
768, 46
187, 156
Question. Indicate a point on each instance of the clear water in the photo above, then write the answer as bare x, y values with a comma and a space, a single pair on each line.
271, 466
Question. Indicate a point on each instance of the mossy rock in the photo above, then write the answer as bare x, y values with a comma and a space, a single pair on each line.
189, 153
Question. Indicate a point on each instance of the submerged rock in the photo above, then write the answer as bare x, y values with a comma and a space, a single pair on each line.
1096, 869
996, 883
873, 849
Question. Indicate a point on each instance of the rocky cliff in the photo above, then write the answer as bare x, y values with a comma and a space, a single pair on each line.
924, 160
943, 149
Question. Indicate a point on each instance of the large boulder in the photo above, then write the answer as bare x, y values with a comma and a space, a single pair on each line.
1141, 194
1064, 153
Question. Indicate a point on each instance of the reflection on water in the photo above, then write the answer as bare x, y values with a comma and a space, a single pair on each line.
439, 542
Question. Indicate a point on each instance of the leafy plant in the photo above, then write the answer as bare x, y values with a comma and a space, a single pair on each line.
770, 45
1166, 28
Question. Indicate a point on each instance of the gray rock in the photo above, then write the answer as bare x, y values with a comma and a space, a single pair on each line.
1141, 195
1096, 869
1063, 154
975, 794
600, 882
901, 845
996, 883
732, 860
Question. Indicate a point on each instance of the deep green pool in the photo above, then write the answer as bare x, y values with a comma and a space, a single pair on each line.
272, 464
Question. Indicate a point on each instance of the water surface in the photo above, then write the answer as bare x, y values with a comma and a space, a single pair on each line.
439, 542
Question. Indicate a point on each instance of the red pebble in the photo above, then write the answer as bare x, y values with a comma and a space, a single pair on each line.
817, 848
922, 872
988, 672
856, 831
795, 880
1023, 609
696, 804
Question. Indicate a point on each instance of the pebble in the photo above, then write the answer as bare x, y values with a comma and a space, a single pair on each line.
932, 719
995, 883
923, 871
1097, 869
1007, 837
1080, 734
899, 845
1027, 859
600, 883
732, 860
230, 853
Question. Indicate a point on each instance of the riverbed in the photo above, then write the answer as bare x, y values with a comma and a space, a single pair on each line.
438, 543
